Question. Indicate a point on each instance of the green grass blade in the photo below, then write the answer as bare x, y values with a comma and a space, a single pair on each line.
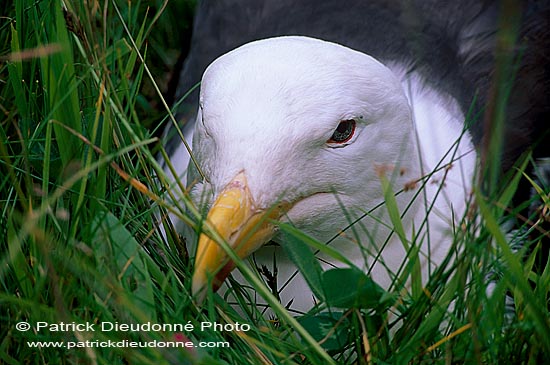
60, 83
514, 273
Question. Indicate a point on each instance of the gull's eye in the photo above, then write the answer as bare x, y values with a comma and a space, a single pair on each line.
343, 132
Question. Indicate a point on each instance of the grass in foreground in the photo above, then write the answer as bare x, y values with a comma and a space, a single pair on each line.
81, 242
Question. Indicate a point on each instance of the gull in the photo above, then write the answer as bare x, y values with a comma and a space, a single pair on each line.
314, 134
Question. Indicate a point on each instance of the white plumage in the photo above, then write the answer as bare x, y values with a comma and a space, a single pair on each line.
268, 111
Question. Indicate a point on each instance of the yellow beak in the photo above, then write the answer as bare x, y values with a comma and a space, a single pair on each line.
243, 227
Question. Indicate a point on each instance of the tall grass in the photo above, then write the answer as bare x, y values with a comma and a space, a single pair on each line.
81, 243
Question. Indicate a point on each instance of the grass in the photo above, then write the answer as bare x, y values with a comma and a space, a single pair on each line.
79, 188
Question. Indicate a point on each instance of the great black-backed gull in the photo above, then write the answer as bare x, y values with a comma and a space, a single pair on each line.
308, 131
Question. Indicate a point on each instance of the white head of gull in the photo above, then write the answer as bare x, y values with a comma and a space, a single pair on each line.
302, 130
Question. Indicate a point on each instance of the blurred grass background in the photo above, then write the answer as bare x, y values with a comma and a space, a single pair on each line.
80, 241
